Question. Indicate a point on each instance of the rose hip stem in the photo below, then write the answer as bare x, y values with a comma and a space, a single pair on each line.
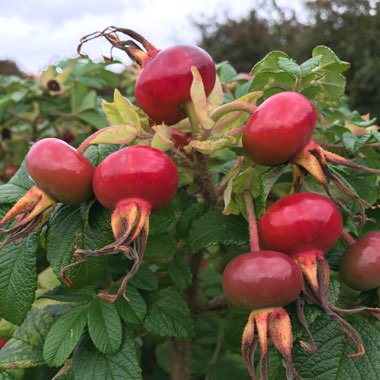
253, 231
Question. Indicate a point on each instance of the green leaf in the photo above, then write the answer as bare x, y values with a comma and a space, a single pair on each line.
280, 81
133, 311
68, 230
64, 335
90, 364
226, 72
18, 278
163, 220
289, 66
93, 117
168, 314
161, 247
180, 272
267, 180
24, 349
4, 375
104, 326
353, 143
330, 61
119, 134
330, 361
215, 228
269, 63
310, 64
63, 294
112, 114
162, 138
332, 86
145, 279
127, 110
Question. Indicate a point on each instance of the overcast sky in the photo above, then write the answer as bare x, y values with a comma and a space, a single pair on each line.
36, 33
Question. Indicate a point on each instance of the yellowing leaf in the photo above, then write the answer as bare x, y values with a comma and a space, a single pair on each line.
161, 139
216, 96
198, 97
126, 110
210, 146
117, 134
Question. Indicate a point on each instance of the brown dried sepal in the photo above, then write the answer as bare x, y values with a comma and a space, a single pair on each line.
272, 324
29, 214
130, 227
314, 159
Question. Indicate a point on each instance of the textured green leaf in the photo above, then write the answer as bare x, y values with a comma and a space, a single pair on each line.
63, 294
163, 220
215, 228
98, 153
145, 279
161, 247
104, 326
133, 311
24, 349
269, 62
93, 117
64, 335
90, 364
267, 180
168, 314
290, 66
330, 361
180, 272
68, 230
310, 64
4, 375
280, 81
353, 143
18, 278
329, 61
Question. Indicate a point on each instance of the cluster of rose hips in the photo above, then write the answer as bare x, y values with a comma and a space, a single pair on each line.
295, 232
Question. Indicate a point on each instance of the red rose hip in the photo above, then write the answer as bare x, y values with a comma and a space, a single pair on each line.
360, 265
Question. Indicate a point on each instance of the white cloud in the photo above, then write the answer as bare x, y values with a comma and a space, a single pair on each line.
38, 32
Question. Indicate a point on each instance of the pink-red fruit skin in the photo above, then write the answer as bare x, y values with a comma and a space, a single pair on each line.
60, 170
300, 222
138, 172
164, 82
360, 265
280, 127
262, 279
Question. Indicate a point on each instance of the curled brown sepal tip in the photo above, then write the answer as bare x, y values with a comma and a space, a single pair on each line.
130, 227
29, 213
314, 159
271, 324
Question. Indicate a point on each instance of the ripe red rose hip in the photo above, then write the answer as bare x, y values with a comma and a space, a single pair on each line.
136, 172
163, 84
360, 265
300, 222
60, 170
262, 279
61, 174
132, 182
281, 126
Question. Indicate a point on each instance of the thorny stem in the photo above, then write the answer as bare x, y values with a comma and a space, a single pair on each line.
253, 233
347, 237
204, 180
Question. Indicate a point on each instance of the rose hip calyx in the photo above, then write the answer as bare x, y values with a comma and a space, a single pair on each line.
132, 182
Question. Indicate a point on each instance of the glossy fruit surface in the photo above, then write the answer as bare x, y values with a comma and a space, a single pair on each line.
60, 170
262, 279
163, 84
280, 127
136, 172
360, 265
3, 342
300, 222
